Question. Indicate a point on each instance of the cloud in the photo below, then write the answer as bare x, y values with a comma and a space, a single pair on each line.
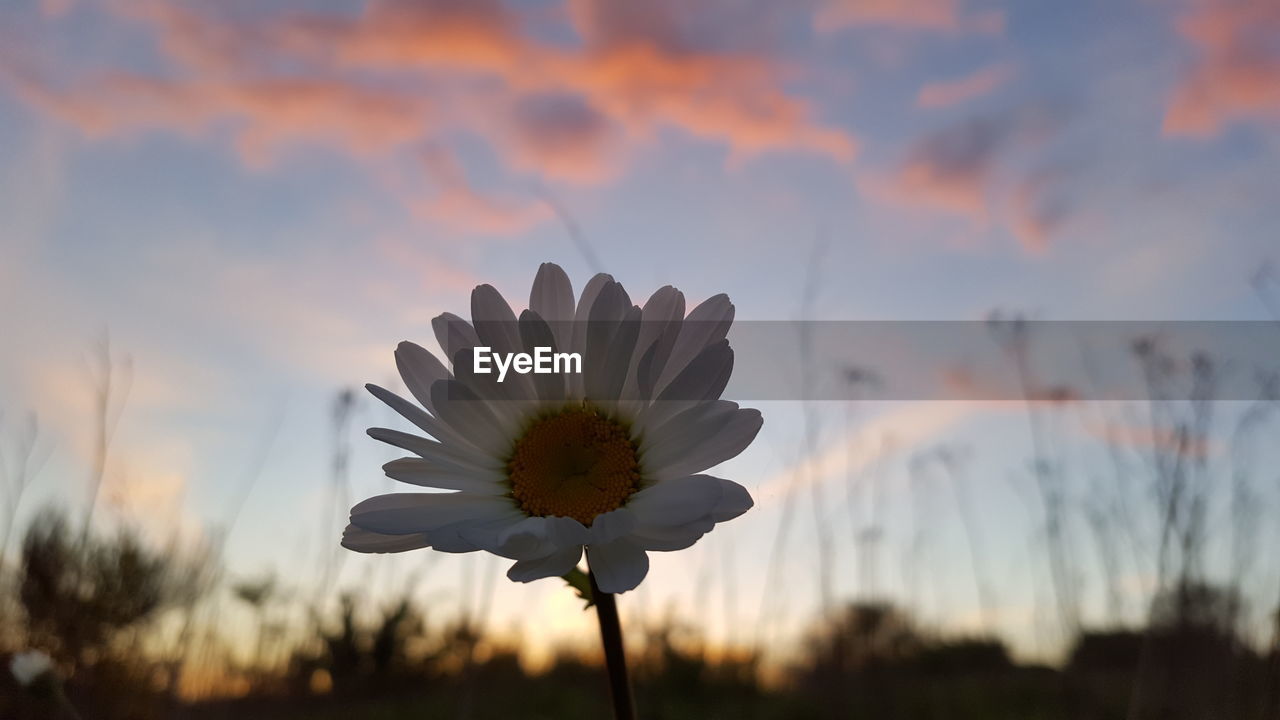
1037, 208
963, 383
943, 16
262, 116
56, 8
906, 425
951, 170
398, 76
981, 82
636, 67
479, 36
973, 170
1143, 438
561, 135
1235, 77
457, 204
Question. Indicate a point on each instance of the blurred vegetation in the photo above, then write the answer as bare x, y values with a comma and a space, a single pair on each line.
135, 629
90, 600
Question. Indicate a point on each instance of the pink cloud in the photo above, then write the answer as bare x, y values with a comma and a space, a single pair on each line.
1036, 209
56, 8
968, 170
950, 171
981, 82
262, 116
960, 382
944, 16
480, 36
561, 135
401, 75
457, 205
1146, 437
1236, 74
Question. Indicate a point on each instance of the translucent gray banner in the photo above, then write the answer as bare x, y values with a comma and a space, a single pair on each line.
1006, 360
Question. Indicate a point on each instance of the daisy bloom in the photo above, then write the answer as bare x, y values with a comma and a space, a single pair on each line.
540, 466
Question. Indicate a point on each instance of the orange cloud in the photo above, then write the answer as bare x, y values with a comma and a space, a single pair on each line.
560, 135
56, 8
1036, 210
962, 383
1236, 75
949, 171
924, 15
457, 205
480, 36
1147, 437
406, 74
963, 170
981, 82
262, 116
633, 69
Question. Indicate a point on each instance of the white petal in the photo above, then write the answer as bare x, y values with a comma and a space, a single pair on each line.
706, 325
621, 347
361, 540
523, 540
474, 534
578, 341
709, 441
674, 514
555, 564
588, 298
425, 473
508, 400
461, 456
552, 299
702, 380
493, 319
659, 325
565, 531
663, 440
610, 526
496, 328
485, 535
454, 334
670, 539
406, 513
676, 502
535, 333
651, 359
618, 566
734, 500
424, 420
495, 325
536, 537
467, 414
611, 334
403, 440
419, 369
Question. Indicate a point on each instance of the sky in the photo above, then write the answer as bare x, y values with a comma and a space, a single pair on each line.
256, 201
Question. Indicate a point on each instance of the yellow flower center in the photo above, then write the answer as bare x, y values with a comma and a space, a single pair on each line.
573, 463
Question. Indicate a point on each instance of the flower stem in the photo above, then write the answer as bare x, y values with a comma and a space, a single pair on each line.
615, 659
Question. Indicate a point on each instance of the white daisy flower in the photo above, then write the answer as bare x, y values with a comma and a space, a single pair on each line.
541, 466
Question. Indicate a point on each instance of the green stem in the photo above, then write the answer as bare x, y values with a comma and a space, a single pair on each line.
615, 659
